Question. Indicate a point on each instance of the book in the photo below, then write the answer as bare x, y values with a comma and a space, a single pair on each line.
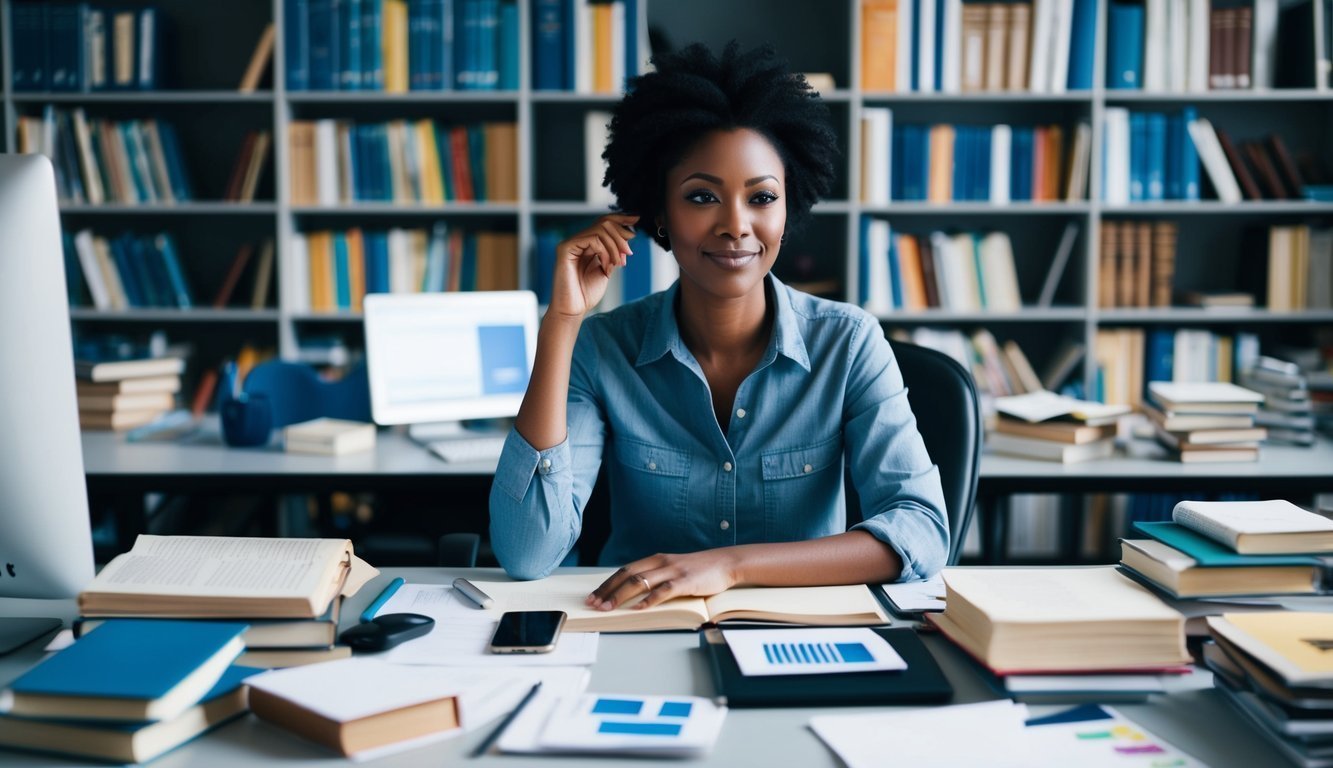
1176, 422
1043, 406
1219, 454
131, 742
1050, 450
259, 60
1273, 526
1204, 397
1209, 552
1049, 620
1239, 437
1057, 431
330, 437
1183, 576
225, 577
118, 370
848, 605
130, 670
151, 384
269, 634
1283, 641
281, 658
146, 401
118, 420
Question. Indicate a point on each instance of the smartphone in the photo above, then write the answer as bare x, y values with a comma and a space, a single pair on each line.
527, 632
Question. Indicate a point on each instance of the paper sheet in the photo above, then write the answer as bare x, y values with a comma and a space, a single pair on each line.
761, 652
1110, 741
994, 736
462, 631
676, 726
915, 596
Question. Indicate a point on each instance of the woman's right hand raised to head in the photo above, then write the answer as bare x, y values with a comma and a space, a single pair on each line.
584, 264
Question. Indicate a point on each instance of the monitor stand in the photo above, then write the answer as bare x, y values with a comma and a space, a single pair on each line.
437, 431
16, 632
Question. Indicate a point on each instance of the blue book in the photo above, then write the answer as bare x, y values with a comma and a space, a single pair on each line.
323, 31
467, 17
349, 45
130, 670
148, 49
916, 145
166, 249
64, 38
1175, 136
1124, 58
571, 55
547, 240
962, 147
508, 47
638, 271
1138, 156
631, 39
548, 40
981, 176
135, 291
467, 278
940, 15
1161, 348
1020, 179
1082, 45
488, 47
1155, 162
444, 46
28, 27
154, 272
863, 264
296, 43
895, 273
342, 278
1211, 553
1188, 160
476, 146
377, 262
372, 46
385, 175
171, 149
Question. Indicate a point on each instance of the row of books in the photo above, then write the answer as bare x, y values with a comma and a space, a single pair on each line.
1300, 267
339, 161
109, 161
947, 46
1196, 45
586, 46
962, 272
334, 270
1149, 156
942, 163
127, 271
1136, 263
398, 46
84, 47
1127, 358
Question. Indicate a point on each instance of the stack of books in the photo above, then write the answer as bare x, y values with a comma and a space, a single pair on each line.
123, 394
289, 591
1286, 411
1275, 670
1076, 631
129, 691
1231, 549
1044, 425
1206, 421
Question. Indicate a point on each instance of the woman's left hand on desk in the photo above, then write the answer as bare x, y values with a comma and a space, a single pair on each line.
662, 577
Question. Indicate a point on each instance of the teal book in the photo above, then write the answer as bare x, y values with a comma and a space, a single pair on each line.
131, 742
1210, 553
130, 670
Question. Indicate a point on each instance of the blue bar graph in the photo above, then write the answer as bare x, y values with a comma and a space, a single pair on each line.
780, 654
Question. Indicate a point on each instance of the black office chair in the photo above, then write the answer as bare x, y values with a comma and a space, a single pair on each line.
948, 416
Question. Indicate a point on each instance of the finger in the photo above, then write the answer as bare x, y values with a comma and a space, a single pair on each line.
617, 232
630, 589
595, 255
607, 587
660, 593
612, 249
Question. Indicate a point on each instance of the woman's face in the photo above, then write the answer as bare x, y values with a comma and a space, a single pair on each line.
726, 212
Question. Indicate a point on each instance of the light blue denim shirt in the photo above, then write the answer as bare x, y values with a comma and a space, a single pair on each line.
828, 389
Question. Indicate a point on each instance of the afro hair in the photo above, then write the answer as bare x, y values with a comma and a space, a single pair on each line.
692, 93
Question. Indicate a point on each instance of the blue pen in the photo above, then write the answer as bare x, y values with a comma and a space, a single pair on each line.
374, 607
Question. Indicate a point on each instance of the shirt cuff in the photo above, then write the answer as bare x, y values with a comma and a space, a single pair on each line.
520, 463
921, 544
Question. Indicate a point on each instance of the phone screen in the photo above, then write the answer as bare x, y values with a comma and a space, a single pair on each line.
527, 631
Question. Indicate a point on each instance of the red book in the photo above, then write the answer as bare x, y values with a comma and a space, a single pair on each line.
233, 277
458, 150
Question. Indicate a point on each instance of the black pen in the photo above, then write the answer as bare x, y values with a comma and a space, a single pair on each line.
509, 718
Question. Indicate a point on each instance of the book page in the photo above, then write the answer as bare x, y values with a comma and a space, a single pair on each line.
1273, 516
1055, 594
567, 592
218, 565
818, 604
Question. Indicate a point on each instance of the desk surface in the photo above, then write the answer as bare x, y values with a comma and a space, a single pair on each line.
1199, 722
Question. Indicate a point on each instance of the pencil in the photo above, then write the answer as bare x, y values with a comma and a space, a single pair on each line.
509, 718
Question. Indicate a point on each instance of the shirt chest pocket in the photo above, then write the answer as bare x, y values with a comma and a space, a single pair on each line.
803, 491
653, 473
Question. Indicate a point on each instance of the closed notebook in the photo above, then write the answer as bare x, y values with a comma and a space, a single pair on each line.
130, 670
131, 742
921, 683
1183, 577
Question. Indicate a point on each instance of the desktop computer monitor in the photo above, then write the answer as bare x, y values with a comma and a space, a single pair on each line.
45, 539
440, 359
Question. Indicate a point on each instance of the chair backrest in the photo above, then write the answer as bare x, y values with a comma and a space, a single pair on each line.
948, 416
296, 393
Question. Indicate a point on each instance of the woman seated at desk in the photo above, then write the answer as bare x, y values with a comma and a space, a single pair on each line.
725, 405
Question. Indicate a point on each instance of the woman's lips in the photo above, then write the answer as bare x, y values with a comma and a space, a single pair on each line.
732, 259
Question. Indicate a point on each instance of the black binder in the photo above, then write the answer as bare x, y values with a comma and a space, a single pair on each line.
921, 683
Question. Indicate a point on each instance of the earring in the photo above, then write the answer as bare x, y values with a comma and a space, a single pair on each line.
661, 233
783, 239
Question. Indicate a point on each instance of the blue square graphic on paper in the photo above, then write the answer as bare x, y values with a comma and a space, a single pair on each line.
675, 709
640, 729
617, 707
854, 652
504, 359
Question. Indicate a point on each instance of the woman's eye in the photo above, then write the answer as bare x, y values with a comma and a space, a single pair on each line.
764, 198
701, 196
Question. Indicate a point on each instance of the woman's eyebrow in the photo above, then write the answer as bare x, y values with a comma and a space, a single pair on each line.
715, 180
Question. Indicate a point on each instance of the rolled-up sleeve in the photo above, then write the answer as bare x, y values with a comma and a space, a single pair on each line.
901, 496
537, 497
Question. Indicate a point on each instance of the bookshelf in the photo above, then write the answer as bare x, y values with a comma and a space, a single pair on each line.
199, 96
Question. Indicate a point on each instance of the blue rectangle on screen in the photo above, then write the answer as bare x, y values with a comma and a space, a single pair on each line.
617, 707
504, 359
640, 729
675, 709
854, 652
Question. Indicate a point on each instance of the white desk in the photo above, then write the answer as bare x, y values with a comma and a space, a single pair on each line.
1199, 722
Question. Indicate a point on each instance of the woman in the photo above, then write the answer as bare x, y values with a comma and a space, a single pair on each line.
724, 406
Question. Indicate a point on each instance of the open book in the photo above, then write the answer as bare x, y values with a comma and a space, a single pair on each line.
212, 577
825, 606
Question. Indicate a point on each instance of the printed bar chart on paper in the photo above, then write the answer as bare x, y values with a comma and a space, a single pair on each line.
811, 651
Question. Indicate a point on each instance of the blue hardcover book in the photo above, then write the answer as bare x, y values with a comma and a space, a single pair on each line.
638, 271
445, 45
1160, 355
176, 174
385, 179
915, 78
416, 44
1210, 553
296, 43
981, 176
372, 45
1155, 162
488, 50
940, 14
26, 34
1138, 156
324, 66
166, 249
895, 273
548, 40
467, 16
1020, 172
377, 261
571, 55
916, 143
154, 272
1082, 45
129, 277
126, 139
1189, 157
631, 40
476, 146
342, 278
863, 263
961, 147
544, 267
130, 670
148, 49
443, 147
508, 42
75, 287
1124, 58
64, 35
467, 278
1175, 137
349, 45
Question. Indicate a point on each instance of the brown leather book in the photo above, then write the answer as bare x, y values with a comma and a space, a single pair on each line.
1126, 263
928, 271
1163, 262
997, 33
1107, 261
1269, 181
238, 168
1216, 51
1238, 167
1241, 33
1286, 166
233, 275
1143, 264
1016, 70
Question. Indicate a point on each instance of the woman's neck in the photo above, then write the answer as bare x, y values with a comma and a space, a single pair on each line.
723, 329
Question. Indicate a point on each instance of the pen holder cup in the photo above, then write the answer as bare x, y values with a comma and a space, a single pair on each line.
247, 420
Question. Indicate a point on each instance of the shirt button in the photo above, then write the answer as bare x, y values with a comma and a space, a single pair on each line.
808, 469
726, 466
652, 465
740, 413
546, 465
725, 525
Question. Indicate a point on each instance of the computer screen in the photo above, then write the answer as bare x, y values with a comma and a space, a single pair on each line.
45, 539
449, 357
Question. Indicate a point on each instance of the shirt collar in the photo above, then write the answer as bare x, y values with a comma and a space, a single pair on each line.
663, 334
